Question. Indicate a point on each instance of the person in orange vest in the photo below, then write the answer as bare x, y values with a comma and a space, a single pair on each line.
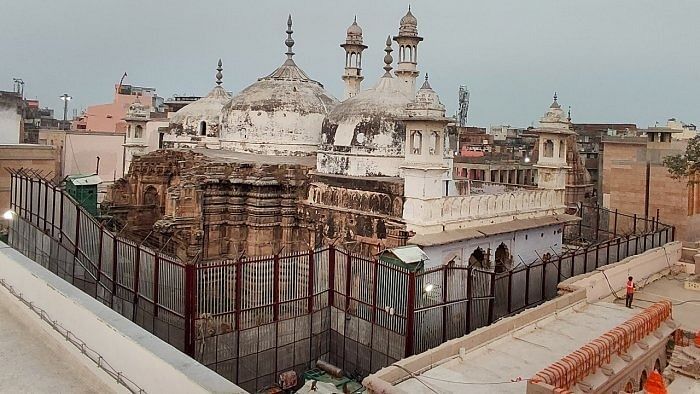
630, 292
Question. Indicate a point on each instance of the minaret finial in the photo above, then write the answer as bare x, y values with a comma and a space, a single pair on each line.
387, 58
289, 42
354, 20
219, 75
409, 8
555, 97
568, 117
426, 77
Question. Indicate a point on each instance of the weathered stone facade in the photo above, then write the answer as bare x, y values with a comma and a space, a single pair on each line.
203, 206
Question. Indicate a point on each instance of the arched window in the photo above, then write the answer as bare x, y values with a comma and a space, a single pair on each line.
478, 259
415, 54
128, 132
435, 145
416, 142
642, 380
504, 261
150, 196
548, 148
202, 128
139, 132
562, 149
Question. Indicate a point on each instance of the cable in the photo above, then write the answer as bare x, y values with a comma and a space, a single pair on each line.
415, 377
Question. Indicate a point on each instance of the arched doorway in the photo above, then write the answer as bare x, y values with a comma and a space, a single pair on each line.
478, 259
504, 261
150, 196
202, 128
629, 387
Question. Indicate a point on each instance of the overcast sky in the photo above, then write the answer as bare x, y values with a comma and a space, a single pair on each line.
611, 61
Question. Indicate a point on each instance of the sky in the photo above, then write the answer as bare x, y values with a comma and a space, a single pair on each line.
625, 61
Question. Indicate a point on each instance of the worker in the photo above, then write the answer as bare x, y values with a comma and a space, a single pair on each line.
630, 292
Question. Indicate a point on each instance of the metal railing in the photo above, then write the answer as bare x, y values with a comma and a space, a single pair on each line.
252, 318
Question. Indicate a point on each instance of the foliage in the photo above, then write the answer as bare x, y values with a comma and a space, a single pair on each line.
680, 166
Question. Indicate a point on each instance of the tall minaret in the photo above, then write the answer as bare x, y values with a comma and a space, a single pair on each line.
353, 60
408, 40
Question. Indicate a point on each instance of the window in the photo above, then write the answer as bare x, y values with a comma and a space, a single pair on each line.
202, 128
416, 142
548, 150
504, 261
562, 149
435, 145
139, 132
478, 259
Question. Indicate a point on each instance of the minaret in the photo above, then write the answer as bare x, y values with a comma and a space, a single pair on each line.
553, 134
353, 60
408, 40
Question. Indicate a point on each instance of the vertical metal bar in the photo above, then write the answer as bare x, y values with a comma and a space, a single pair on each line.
470, 299
348, 273
560, 278
99, 256
580, 222
60, 221
76, 250
492, 300
657, 220
31, 200
510, 291
410, 313
331, 276
156, 284
374, 292
310, 300
615, 225
673, 233
444, 303
237, 298
190, 272
573, 263
275, 287
114, 269
544, 280
137, 272
527, 286
597, 222
46, 203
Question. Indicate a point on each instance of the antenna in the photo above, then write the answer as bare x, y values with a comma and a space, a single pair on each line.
463, 105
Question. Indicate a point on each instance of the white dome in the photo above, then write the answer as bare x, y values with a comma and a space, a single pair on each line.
207, 109
363, 135
279, 114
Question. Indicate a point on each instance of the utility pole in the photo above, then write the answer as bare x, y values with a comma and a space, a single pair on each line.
66, 98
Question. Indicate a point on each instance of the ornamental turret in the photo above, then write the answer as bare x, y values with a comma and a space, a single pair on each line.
353, 60
408, 39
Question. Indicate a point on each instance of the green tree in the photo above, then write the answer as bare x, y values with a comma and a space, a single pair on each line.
680, 166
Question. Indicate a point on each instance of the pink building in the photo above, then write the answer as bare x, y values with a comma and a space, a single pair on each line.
110, 117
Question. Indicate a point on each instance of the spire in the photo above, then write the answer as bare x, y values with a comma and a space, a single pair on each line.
289, 42
387, 58
219, 75
426, 84
568, 117
555, 97
555, 104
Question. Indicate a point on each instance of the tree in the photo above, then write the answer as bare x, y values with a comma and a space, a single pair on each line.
680, 166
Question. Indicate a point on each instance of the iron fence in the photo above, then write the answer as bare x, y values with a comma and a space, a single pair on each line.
252, 318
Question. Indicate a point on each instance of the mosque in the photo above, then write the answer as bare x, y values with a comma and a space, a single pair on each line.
283, 166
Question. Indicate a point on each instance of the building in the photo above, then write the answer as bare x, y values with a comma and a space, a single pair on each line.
283, 164
11, 124
42, 159
110, 117
635, 180
582, 341
590, 136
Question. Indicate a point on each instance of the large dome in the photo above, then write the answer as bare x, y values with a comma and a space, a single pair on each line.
364, 136
279, 114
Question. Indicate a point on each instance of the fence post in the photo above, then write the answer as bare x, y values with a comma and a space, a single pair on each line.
615, 225
60, 221
673, 233
527, 286
237, 298
348, 274
276, 287
544, 280
634, 231
375, 288
573, 263
46, 203
585, 259
190, 272
99, 258
470, 299
331, 276
114, 269
597, 222
76, 251
492, 300
580, 222
657, 220
410, 312
156, 284
311, 281
510, 291
444, 303
560, 278
137, 272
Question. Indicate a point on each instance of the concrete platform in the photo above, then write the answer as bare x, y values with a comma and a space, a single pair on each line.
32, 361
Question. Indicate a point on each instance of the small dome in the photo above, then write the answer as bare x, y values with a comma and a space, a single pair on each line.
354, 29
409, 19
207, 109
364, 135
427, 102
